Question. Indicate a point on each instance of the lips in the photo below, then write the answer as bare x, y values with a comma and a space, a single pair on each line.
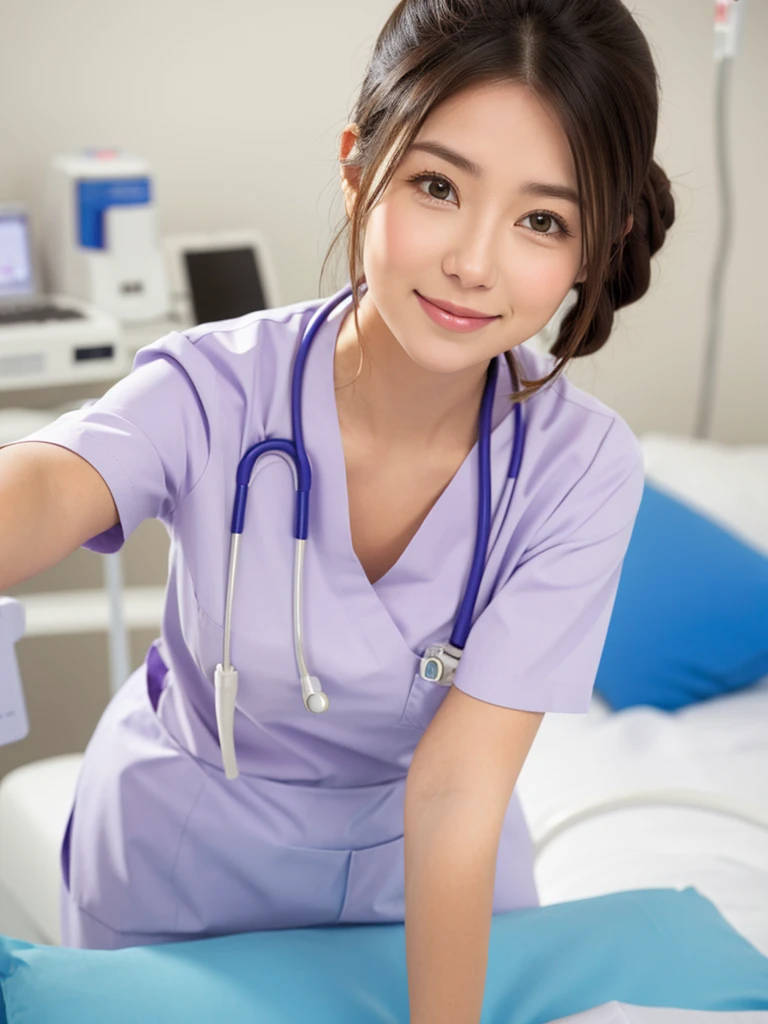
452, 322
462, 311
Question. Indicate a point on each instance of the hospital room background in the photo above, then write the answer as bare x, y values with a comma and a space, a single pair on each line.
236, 109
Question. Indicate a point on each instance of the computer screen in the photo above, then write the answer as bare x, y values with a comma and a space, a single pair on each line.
16, 276
224, 283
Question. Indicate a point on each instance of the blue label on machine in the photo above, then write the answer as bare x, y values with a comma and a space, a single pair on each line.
94, 197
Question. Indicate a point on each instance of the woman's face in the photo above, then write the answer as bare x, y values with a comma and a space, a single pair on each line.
481, 237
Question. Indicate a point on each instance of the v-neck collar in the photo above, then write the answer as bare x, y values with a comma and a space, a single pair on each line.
329, 504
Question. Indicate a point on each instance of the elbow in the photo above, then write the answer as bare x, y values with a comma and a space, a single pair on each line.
453, 822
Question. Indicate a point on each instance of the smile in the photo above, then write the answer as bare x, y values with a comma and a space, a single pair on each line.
451, 321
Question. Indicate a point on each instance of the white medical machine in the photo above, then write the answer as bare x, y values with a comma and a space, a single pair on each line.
14, 724
101, 238
46, 338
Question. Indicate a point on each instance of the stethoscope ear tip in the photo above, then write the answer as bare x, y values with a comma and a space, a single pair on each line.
314, 698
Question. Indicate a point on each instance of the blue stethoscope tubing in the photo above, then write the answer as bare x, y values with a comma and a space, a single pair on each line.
439, 662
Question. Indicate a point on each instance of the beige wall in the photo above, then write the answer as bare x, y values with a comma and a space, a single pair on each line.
238, 105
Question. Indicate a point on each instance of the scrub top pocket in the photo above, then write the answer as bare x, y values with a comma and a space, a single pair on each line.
424, 698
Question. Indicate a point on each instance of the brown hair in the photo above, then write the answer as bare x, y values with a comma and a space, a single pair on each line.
587, 59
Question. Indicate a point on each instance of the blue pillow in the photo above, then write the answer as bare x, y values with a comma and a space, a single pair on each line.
690, 620
652, 947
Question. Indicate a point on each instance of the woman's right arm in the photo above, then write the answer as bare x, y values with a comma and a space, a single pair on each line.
51, 502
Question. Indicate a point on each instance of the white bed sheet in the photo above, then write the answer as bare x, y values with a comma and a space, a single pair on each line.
627, 1013
719, 746
725, 482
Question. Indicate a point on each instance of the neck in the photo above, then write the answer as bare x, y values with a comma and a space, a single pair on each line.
394, 402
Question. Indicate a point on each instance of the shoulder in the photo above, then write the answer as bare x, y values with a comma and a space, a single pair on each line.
244, 333
236, 336
572, 437
562, 409
233, 354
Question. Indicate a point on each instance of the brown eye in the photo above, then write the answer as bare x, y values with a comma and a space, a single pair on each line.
436, 186
542, 220
436, 189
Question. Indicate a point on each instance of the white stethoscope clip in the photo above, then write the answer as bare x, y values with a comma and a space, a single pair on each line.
439, 663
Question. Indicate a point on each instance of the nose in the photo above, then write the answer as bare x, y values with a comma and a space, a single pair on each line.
472, 254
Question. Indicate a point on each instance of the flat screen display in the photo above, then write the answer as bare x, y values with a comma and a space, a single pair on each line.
15, 262
224, 283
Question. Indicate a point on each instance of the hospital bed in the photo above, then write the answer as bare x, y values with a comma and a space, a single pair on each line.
616, 800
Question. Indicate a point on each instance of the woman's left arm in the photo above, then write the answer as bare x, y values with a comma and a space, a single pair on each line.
458, 789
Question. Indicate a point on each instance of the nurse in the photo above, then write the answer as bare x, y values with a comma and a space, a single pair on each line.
500, 154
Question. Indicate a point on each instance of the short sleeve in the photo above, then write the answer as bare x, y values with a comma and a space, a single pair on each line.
148, 435
537, 645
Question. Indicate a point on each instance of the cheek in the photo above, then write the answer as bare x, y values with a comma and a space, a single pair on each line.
541, 284
396, 239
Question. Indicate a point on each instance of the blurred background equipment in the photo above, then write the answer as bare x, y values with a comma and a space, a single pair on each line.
101, 237
728, 19
217, 275
14, 724
46, 338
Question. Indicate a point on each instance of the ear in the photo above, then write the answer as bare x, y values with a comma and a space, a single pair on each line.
350, 173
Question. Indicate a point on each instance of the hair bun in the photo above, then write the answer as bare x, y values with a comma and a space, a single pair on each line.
630, 276
654, 214
660, 205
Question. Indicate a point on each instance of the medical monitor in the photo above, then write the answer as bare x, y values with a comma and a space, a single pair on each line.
219, 275
17, 272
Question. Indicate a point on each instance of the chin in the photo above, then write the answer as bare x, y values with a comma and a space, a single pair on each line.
443, 355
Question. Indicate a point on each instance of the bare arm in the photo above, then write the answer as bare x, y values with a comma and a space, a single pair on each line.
459, 786
51, 502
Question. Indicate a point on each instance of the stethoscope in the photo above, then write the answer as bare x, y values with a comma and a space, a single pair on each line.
439, 663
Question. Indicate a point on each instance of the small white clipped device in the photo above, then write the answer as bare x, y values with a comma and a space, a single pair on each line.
439, 663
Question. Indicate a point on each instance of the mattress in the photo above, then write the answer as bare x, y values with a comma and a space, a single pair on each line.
716, 748
628, 1013
35, 801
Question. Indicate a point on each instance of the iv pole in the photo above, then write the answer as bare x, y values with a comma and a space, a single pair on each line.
728, 16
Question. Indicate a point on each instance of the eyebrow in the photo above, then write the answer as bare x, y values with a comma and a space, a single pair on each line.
531, 188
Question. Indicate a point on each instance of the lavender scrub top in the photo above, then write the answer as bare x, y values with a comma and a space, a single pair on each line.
160, 846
